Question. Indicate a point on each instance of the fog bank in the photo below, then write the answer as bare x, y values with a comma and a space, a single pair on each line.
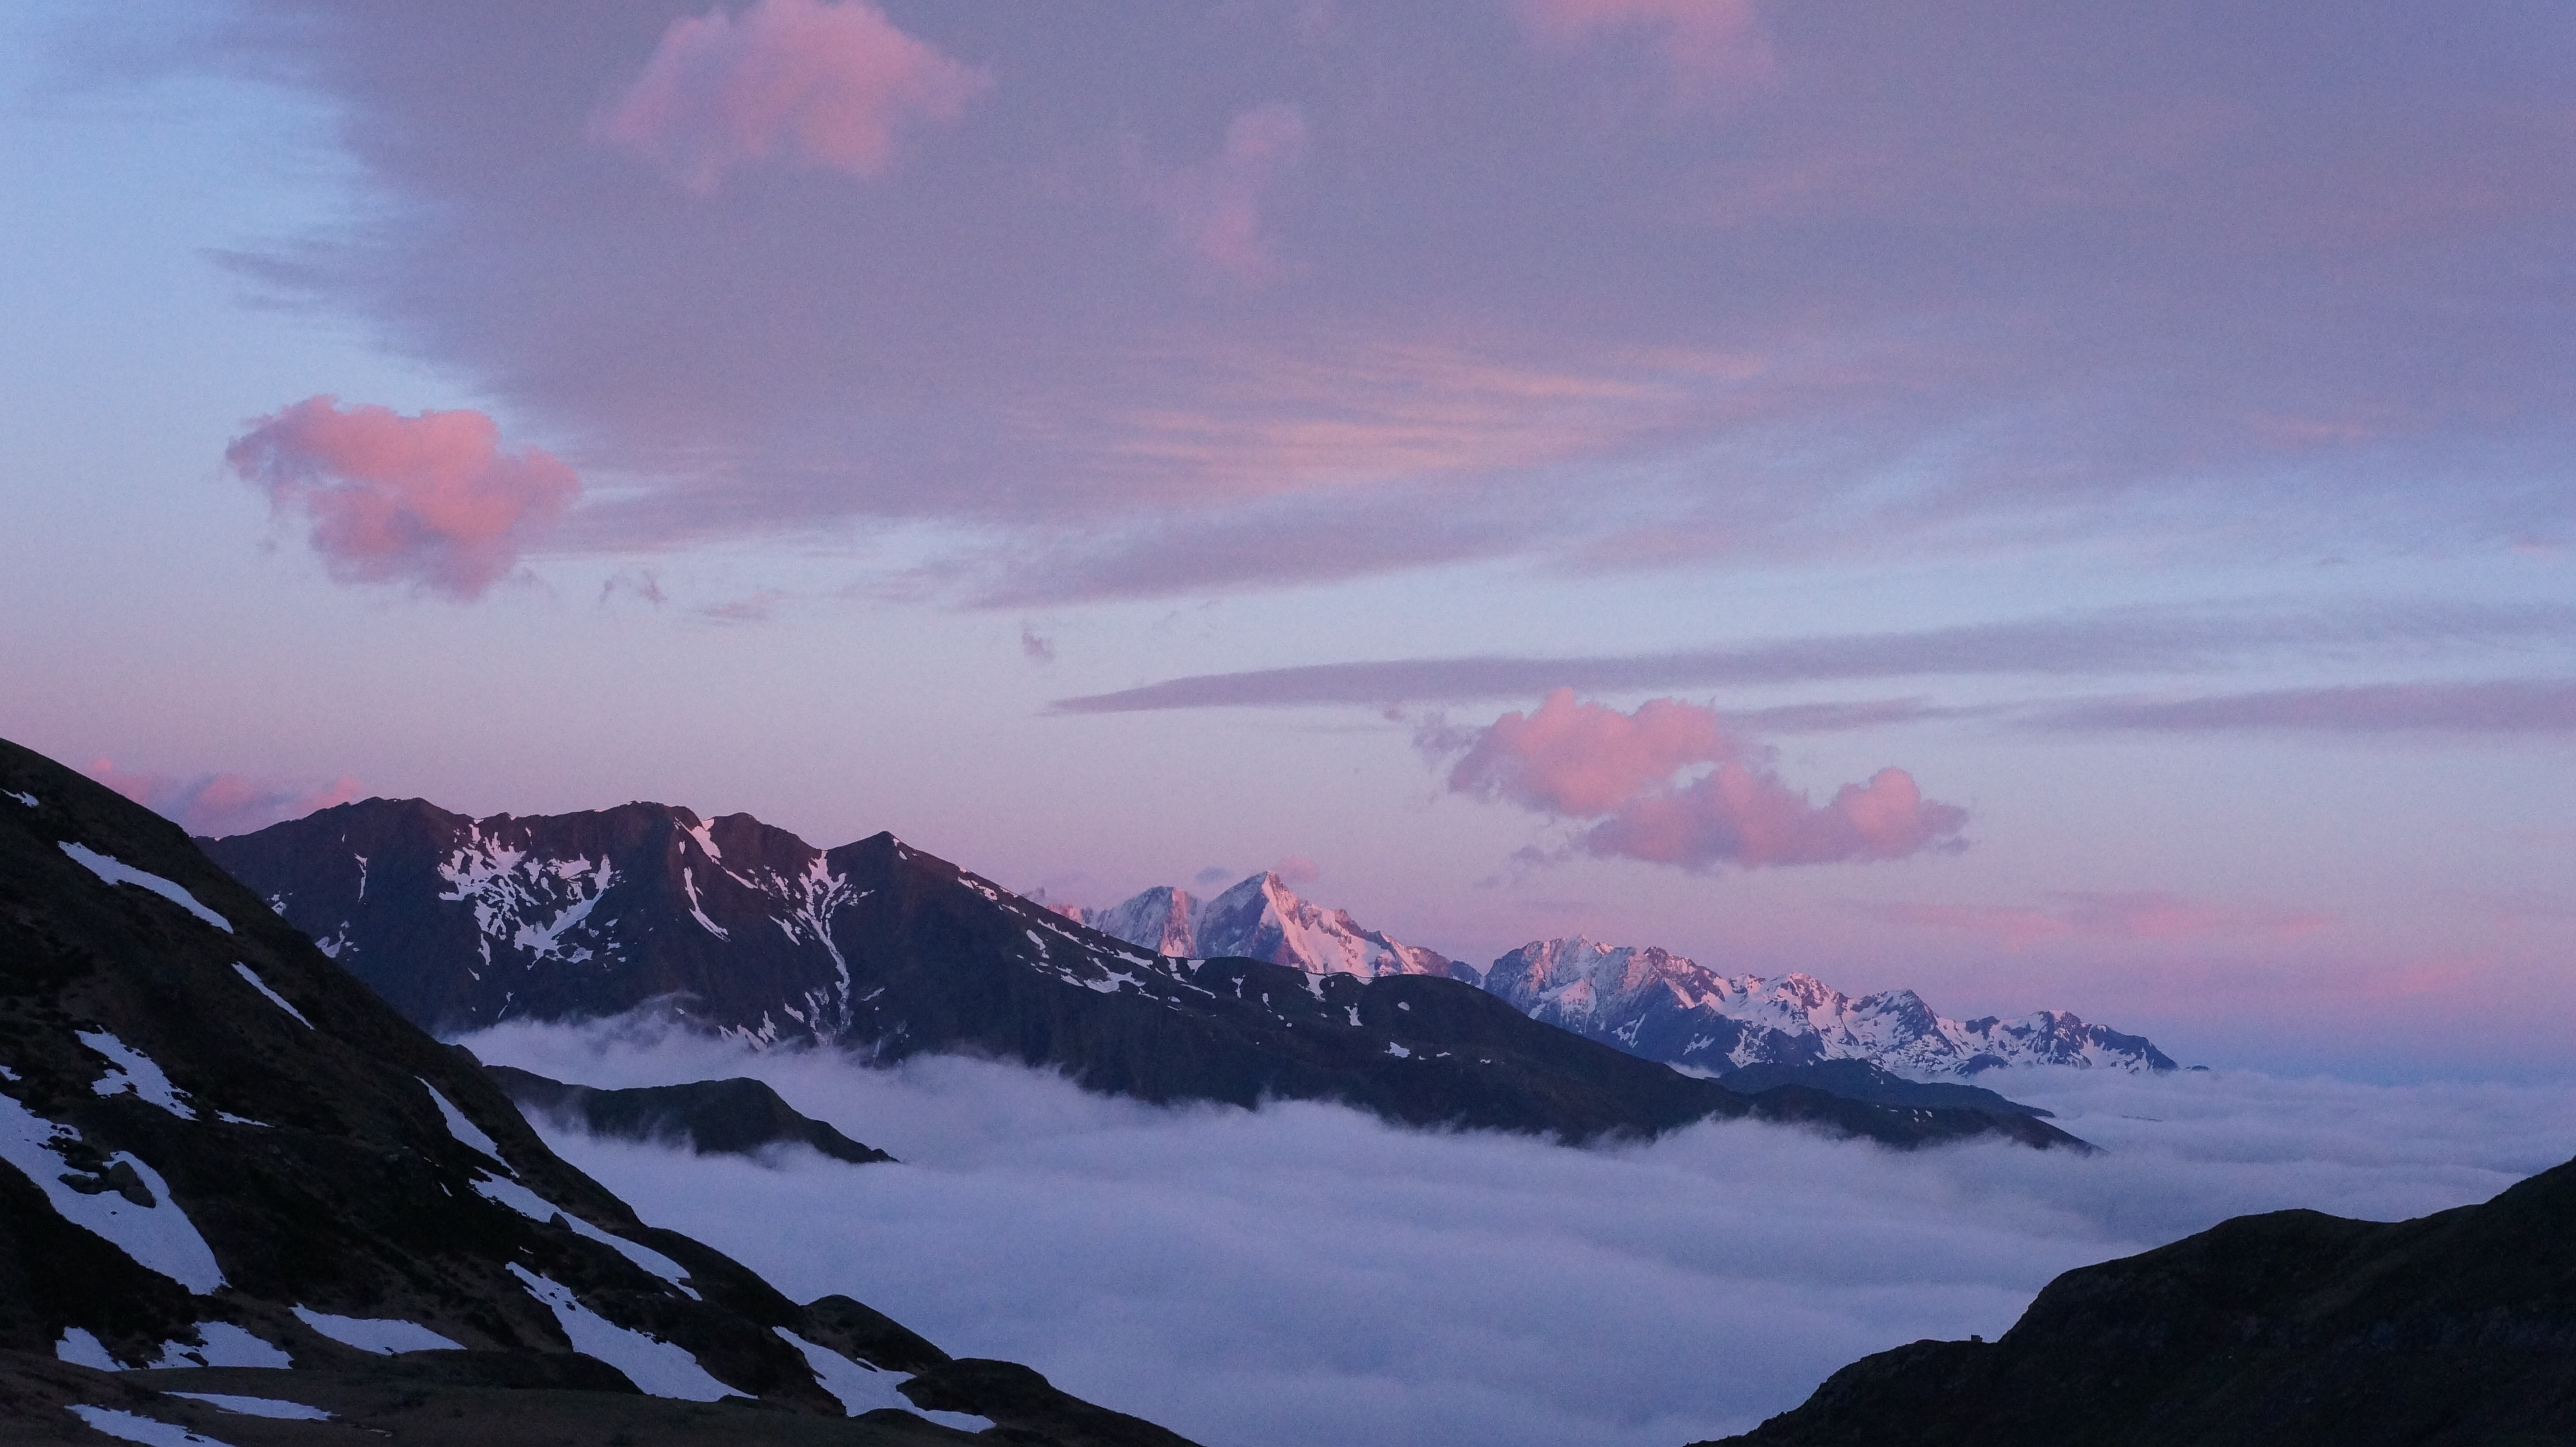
1307, 1276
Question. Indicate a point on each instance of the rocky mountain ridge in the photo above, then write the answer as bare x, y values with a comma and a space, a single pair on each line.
2292, 1329
1261, 918
744, 930
1644, 1000
1663, 1006
228, 1162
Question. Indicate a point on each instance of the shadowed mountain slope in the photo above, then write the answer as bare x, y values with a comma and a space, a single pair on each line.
745, 930
224, 1155
2293, 1329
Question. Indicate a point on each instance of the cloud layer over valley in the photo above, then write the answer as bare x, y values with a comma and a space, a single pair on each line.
1304, 1275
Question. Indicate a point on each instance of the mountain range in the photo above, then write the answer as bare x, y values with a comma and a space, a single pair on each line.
248, 1203
1643, 1000
245, 1199
745, 930
1662, 1006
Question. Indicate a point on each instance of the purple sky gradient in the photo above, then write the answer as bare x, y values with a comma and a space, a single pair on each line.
1097, 442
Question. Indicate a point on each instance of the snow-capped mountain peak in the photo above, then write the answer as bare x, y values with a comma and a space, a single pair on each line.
1651, 1002
1261, 918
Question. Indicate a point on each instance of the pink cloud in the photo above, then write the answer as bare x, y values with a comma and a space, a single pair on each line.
1589, 761
214, 805
1297, 869
1214, 212
429, 499
2136, 915
1706, 43
796, 81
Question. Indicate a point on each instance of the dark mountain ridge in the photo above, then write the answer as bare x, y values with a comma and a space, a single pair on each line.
2279, 1330
224, 1155
747, 931
711, 1117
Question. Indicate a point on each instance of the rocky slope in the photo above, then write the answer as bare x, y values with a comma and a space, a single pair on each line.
1263, 919
229, 1163
2293, 1329
1662, 1006
744, 929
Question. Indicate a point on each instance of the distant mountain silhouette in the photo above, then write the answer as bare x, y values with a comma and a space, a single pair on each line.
711, 1117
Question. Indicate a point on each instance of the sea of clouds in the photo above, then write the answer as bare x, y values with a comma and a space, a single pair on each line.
1308, 1276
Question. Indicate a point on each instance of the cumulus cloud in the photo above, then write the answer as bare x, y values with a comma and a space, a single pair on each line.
1578, 760
1705, 43
800, 82
430, 499
1213, 212
1304, 1275
2133, 915
214, 805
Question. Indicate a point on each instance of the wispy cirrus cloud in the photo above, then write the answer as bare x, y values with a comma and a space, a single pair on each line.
214, 805
1623, 773
430, 499
793, 82
2508, 706
2131, 915
2097, 643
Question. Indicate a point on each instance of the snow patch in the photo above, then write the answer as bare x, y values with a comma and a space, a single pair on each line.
861, 1388
27, 799
537, 1208
1398, 1051
130, 1069
385, 1336
151, 1431
81, 1349
657, 1368
257, 1406
159, 1237
118, 872
689, 882
467, 1133
251, 978
222, 1344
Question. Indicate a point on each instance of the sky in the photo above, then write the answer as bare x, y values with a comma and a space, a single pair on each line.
1307, 1276
2052, 509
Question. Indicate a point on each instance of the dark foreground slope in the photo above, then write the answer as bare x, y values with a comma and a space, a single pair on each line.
229, 1164
2293, 1329
875, 946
